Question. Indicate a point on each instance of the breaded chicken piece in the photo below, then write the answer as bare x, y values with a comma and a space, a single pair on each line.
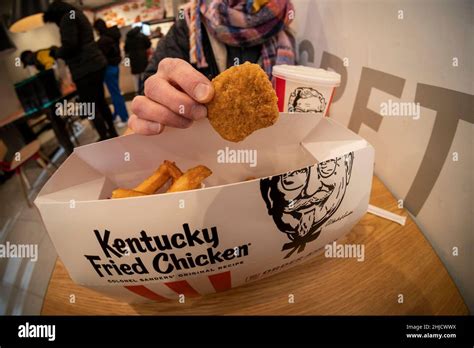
244, 101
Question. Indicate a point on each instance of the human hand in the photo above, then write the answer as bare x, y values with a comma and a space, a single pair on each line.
174, 97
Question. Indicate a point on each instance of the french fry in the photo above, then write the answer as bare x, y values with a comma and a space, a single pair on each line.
173, 170
153, 183
180, 182
191, 179
124, 193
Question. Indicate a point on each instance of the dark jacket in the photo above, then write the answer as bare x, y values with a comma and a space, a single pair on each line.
109, 44
176, 45
78, 48
136, 46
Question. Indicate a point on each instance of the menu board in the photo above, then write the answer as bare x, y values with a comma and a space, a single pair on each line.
133, 11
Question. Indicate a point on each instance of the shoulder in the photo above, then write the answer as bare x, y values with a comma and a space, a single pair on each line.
66, 21
178, 35
181, 27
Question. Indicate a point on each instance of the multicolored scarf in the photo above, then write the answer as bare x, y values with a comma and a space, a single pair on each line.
244, 23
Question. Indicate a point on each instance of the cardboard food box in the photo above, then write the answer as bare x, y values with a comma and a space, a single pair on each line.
313, 180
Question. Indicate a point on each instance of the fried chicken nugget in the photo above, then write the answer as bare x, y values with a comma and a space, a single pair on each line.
151, 184
124, 193
191, 179
244, 101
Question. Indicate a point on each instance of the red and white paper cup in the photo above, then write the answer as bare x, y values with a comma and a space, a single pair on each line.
304, 89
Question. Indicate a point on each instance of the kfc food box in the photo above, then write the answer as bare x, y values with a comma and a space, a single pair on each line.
312, 181
304, 89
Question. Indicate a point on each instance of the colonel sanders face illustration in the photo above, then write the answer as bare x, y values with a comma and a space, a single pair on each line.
306, 99
301, 201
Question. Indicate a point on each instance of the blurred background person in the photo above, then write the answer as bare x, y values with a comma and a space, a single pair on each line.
85, 60
157, 34
40, 59
137, 45
109, 44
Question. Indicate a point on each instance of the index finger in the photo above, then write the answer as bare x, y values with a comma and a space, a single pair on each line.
191, 81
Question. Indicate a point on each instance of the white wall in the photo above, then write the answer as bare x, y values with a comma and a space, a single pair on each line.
43, 37
11, 72
8, 100
418, 50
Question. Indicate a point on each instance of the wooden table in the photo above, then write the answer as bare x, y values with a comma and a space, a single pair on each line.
12, 117
61, 131
398, 260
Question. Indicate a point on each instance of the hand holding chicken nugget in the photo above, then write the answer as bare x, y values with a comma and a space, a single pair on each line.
174, 97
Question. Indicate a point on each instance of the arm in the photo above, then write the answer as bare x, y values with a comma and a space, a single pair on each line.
147, 42
69, 38
105, 45
174, 45
126, 47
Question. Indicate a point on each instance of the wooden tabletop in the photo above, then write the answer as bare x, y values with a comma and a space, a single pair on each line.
12, 117
398, 261
66, 93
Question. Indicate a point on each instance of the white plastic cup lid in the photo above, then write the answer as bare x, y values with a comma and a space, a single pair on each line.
303, 73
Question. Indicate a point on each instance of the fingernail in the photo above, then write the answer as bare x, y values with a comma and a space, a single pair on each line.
155, 127
198, 112
201, 92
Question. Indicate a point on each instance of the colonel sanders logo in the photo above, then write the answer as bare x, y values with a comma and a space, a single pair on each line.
306, 99
301, 201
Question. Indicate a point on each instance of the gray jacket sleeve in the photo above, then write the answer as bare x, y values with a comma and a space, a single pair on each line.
175, 44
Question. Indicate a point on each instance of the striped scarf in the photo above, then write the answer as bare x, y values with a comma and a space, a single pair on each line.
244, 23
